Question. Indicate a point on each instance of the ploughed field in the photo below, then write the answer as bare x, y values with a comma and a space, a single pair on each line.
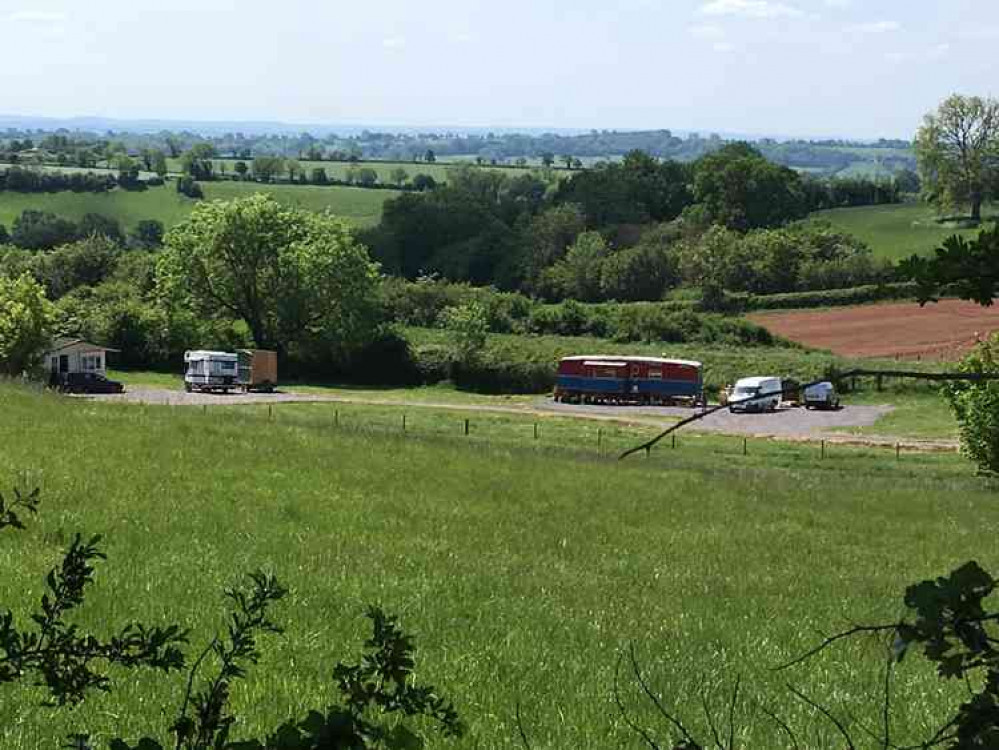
523, 569
943, 331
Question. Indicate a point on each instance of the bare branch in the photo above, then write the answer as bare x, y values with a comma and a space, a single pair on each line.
825, 712
782, 724
827, 642
624, 712
711, 722
655, 700
731, 713
520, 730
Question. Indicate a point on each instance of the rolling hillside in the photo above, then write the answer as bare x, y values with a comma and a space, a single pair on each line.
359, 206
895, 231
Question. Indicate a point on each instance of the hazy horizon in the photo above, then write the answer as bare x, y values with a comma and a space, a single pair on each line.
783, 68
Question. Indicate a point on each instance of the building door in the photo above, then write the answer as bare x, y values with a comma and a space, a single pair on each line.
63, 363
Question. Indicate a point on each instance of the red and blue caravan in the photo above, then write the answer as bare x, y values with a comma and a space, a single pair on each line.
650, 381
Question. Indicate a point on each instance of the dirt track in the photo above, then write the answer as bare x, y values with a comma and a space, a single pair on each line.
942, 331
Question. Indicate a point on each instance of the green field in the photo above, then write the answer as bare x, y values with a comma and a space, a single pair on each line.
893, 231
338, 170
522, 567
361, 207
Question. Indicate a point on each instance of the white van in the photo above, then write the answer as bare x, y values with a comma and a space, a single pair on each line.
748, 388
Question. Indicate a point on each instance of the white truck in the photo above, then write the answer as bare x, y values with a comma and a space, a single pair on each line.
210, 371
756, 394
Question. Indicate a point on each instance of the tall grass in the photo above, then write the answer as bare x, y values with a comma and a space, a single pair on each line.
523, 570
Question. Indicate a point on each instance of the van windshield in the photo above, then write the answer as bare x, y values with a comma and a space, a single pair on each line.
746, 390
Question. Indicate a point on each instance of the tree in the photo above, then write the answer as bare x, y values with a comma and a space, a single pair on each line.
4, 236
430, 157
958, 152
148, 234
41, 230
25, 324
399, 176
98, 225
968, 268
976, 406
424, 182
742, 190
187, 185
289, 274
548, 158
578, 274
319, 176
241, 169
87, 262
294, 168
266, 168
197, 161
548, 237
366, 177
468, 326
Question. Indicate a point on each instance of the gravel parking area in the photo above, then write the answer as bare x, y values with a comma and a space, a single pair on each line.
169, 397
796, 422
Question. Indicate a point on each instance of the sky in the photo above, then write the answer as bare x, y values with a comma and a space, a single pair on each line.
810, 68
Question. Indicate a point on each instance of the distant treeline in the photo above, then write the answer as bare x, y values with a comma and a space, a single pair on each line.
21, 180
500, 148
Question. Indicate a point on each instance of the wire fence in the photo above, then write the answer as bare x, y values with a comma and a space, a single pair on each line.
592, 437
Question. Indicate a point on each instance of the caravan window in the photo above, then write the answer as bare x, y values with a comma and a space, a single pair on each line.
655, 374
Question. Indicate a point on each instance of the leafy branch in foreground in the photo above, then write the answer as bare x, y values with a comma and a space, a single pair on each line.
64, 659
209, 724
26, 501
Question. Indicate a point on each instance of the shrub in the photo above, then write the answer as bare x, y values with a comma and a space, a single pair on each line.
976, 406
468, 326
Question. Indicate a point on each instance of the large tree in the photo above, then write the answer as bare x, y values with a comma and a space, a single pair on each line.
741, 189
958, 152
25, 321
290, 274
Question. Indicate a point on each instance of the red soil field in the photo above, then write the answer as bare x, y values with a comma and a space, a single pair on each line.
942, 331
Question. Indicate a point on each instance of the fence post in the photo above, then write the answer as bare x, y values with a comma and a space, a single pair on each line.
823, 449
898, 451
648, 452
600, 438
403, 422
745, 446
674, 440
466, 426
535, 430
270, 412
336, 417
204, 409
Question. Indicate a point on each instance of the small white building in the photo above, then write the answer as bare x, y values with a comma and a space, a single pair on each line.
76, 355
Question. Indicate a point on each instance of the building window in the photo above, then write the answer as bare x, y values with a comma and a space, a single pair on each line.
90, 362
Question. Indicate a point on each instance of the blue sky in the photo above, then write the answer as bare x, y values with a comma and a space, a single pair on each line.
863, 68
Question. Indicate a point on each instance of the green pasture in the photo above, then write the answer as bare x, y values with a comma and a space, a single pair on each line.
360, 207
896, 231
338, 170
523, 567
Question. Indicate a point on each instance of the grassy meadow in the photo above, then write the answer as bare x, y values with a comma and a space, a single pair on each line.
359, 206
523, 567
337, 170
896, 231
